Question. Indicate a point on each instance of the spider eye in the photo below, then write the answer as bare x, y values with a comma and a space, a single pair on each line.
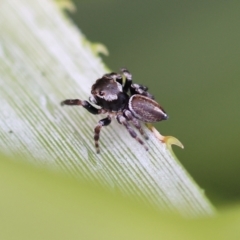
101, 93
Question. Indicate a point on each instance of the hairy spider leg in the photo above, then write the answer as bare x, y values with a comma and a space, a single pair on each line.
122, 120
104, 122
136, 123
140, 89
85, 104
125, 78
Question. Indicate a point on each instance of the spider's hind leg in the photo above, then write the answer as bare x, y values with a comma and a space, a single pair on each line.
122, 120
125, 79
136, 123
140, 89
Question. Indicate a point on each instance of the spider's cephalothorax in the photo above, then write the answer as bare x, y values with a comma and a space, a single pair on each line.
128, 102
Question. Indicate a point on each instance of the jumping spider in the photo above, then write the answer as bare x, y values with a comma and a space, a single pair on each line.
128, 102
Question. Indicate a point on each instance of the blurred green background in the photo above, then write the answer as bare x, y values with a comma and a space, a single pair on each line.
187, 52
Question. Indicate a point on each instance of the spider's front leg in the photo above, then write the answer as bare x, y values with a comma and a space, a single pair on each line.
85, 104
104, 122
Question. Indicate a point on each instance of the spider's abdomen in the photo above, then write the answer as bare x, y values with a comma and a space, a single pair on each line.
146, 109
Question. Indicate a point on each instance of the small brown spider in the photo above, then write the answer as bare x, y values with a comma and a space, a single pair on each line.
126, 101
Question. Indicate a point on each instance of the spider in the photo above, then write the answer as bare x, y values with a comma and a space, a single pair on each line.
117, 96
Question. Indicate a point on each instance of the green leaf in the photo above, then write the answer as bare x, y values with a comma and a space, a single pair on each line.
45, 59
36, 204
